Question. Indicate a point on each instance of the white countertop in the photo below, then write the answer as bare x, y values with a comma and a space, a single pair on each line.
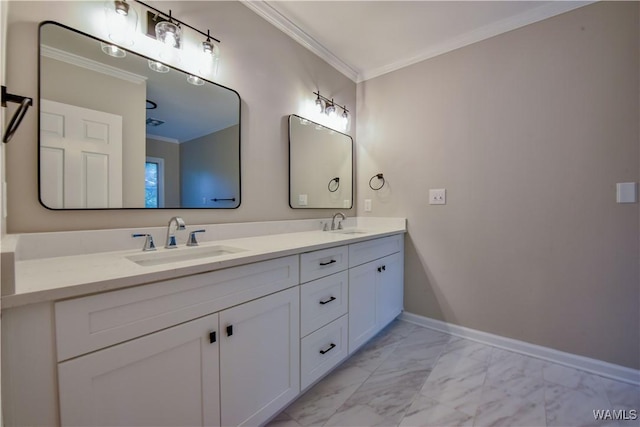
60, 277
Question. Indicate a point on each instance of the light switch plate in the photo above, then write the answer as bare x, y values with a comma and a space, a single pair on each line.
367, 205
438, 196
627, 192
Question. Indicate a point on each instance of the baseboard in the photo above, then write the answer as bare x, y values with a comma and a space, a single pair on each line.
594, 366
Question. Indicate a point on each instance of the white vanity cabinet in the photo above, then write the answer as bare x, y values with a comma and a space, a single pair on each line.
168, 378
259, 358
375, 287
238, 366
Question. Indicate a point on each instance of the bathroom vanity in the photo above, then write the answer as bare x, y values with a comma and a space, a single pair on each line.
230, 337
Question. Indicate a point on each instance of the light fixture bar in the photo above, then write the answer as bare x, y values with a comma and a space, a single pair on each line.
325, 99
172, 18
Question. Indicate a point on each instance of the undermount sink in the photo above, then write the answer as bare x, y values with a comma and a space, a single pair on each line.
182, 254
351, 231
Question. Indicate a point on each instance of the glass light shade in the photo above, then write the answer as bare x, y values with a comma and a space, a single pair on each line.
330, 110
122, 21
113, 50
169, 34
210, 58
195, 80
344, 119
319, 107
158, 67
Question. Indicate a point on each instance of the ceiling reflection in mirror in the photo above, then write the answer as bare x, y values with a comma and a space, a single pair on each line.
114, 133
320, 166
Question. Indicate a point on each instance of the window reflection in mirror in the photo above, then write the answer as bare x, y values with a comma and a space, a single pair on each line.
116, 134
320, 166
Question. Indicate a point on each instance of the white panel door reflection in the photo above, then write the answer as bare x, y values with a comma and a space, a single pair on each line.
80, 157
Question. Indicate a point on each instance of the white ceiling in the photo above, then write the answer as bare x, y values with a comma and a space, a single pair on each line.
366, 38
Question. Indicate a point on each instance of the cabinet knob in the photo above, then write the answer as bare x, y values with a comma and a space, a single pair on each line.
229, 330
212, 337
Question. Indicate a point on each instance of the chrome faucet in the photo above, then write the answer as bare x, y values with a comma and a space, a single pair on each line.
171, 237
333, 221
148, 241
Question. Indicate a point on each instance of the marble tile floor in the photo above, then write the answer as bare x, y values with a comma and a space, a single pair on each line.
413, 376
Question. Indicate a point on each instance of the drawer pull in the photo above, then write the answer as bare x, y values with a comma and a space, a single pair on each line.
328, 262
327, 301
229, 330
381, 269
331, 347
212, 337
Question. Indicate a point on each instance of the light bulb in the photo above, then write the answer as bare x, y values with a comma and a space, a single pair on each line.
169, 34
319, 106
209, 58
331, 110
345, 119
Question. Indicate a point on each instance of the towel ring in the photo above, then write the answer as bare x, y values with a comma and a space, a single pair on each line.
14, 123
337, 181
379, 176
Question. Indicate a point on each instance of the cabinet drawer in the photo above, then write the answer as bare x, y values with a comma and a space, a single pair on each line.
360, 253
89, 323
314, 265
323, 301
322, 350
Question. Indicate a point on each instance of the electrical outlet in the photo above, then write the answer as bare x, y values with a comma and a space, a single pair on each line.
367, 205
302, 200
438, 196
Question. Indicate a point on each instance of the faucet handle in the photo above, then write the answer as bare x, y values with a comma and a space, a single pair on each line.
148, 242
192, 241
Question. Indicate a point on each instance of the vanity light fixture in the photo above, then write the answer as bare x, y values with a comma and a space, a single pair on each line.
113, 50
158, 67
122, 21
328, 106
170, 32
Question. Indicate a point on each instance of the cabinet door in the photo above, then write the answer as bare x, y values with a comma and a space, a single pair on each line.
259, 358
389, 289
168, 378
362, 304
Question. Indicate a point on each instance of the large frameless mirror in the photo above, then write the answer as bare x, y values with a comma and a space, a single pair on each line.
320, 166
126, 132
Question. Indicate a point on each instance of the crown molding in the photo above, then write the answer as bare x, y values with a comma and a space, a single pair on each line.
278, 20
529, 17
162, 138
80, 61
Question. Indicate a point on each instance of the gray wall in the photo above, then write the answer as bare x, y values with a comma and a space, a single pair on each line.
97, 91
273, 74
170, 152
208, 169
529, 132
